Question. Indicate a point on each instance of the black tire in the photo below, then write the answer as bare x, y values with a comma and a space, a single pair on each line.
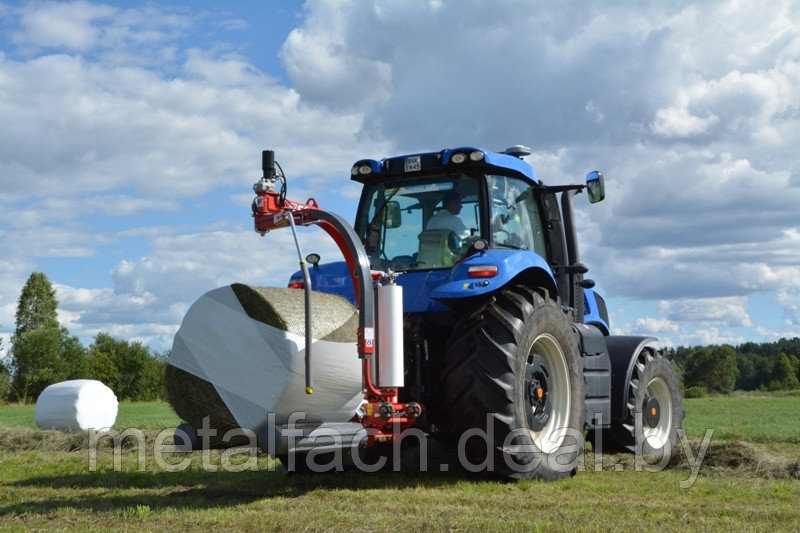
654, 409
185, 438
498, 360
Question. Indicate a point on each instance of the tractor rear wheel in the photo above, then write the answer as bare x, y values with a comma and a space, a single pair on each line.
514, 388
654, 409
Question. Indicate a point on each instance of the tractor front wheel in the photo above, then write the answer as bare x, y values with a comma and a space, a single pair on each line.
514, 388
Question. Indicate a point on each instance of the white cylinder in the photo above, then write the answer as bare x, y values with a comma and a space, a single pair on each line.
77, 405
389, 328
257, 368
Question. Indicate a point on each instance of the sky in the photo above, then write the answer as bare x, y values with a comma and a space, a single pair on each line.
131, 134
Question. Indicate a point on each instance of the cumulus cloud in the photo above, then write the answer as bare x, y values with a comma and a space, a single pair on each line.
69, 26
691, 110
151, 294
788, 300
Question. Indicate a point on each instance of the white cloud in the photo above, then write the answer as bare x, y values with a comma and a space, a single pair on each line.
151, 294
715, 336
721, 312
788, 300
62, 25
678, 122
126, 123
650, 325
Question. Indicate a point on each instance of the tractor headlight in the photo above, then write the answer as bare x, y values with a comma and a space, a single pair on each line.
458, 158
476, 156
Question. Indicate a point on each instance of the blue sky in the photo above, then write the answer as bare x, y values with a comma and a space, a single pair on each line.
131, 132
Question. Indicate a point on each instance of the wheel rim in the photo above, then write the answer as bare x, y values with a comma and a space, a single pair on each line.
547, 408
656, 433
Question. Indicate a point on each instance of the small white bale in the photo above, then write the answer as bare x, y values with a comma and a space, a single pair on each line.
77, 405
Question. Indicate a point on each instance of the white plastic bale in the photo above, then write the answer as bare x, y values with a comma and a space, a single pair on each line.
76, 405
258, 369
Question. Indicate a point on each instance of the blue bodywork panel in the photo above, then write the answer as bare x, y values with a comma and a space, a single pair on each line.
510, 263
333, 278
422, 289
591, 311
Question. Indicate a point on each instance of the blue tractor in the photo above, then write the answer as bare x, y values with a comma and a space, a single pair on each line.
506, 351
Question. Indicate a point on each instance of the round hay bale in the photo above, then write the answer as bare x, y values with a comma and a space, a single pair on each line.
238, 358
76, 405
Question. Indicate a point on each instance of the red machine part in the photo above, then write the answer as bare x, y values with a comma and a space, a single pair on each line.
384, 414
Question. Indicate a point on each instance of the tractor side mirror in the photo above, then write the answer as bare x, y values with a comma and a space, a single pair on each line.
391, 214
595, 186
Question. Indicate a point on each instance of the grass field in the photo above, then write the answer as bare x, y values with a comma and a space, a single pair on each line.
142, 415
748, 482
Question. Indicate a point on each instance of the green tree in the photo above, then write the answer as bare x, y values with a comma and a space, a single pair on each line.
747, 373
713, 367
102, 367
44, 356
37, 305
784, 373
5, 383
43, 352
127, 367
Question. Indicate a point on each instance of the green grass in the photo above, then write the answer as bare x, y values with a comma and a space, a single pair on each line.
754, 417
47, 488
142, 415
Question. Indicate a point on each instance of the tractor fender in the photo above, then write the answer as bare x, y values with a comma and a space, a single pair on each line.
513, 267
623, 351
594, 311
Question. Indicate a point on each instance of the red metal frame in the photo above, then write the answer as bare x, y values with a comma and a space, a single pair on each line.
270, 213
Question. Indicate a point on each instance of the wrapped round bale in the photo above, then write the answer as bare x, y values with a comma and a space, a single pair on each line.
239, 356
76, 405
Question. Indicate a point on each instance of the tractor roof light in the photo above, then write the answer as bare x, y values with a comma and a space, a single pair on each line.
476, 156
296, 284
482, 271
458, 158
361, 168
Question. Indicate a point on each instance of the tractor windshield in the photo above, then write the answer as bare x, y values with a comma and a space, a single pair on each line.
419, 223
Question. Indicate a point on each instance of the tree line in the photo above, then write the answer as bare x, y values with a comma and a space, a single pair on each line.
749, 366
42, 352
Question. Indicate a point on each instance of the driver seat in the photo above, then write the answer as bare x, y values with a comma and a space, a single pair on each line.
434, 249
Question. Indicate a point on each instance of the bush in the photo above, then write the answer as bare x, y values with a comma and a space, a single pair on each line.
712, 367
695, 392
5, 386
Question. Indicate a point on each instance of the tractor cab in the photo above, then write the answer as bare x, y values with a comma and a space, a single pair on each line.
427, 211
432, 221
444, 218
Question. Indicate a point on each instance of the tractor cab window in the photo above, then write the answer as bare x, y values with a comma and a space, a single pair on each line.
515, 219
418, 223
